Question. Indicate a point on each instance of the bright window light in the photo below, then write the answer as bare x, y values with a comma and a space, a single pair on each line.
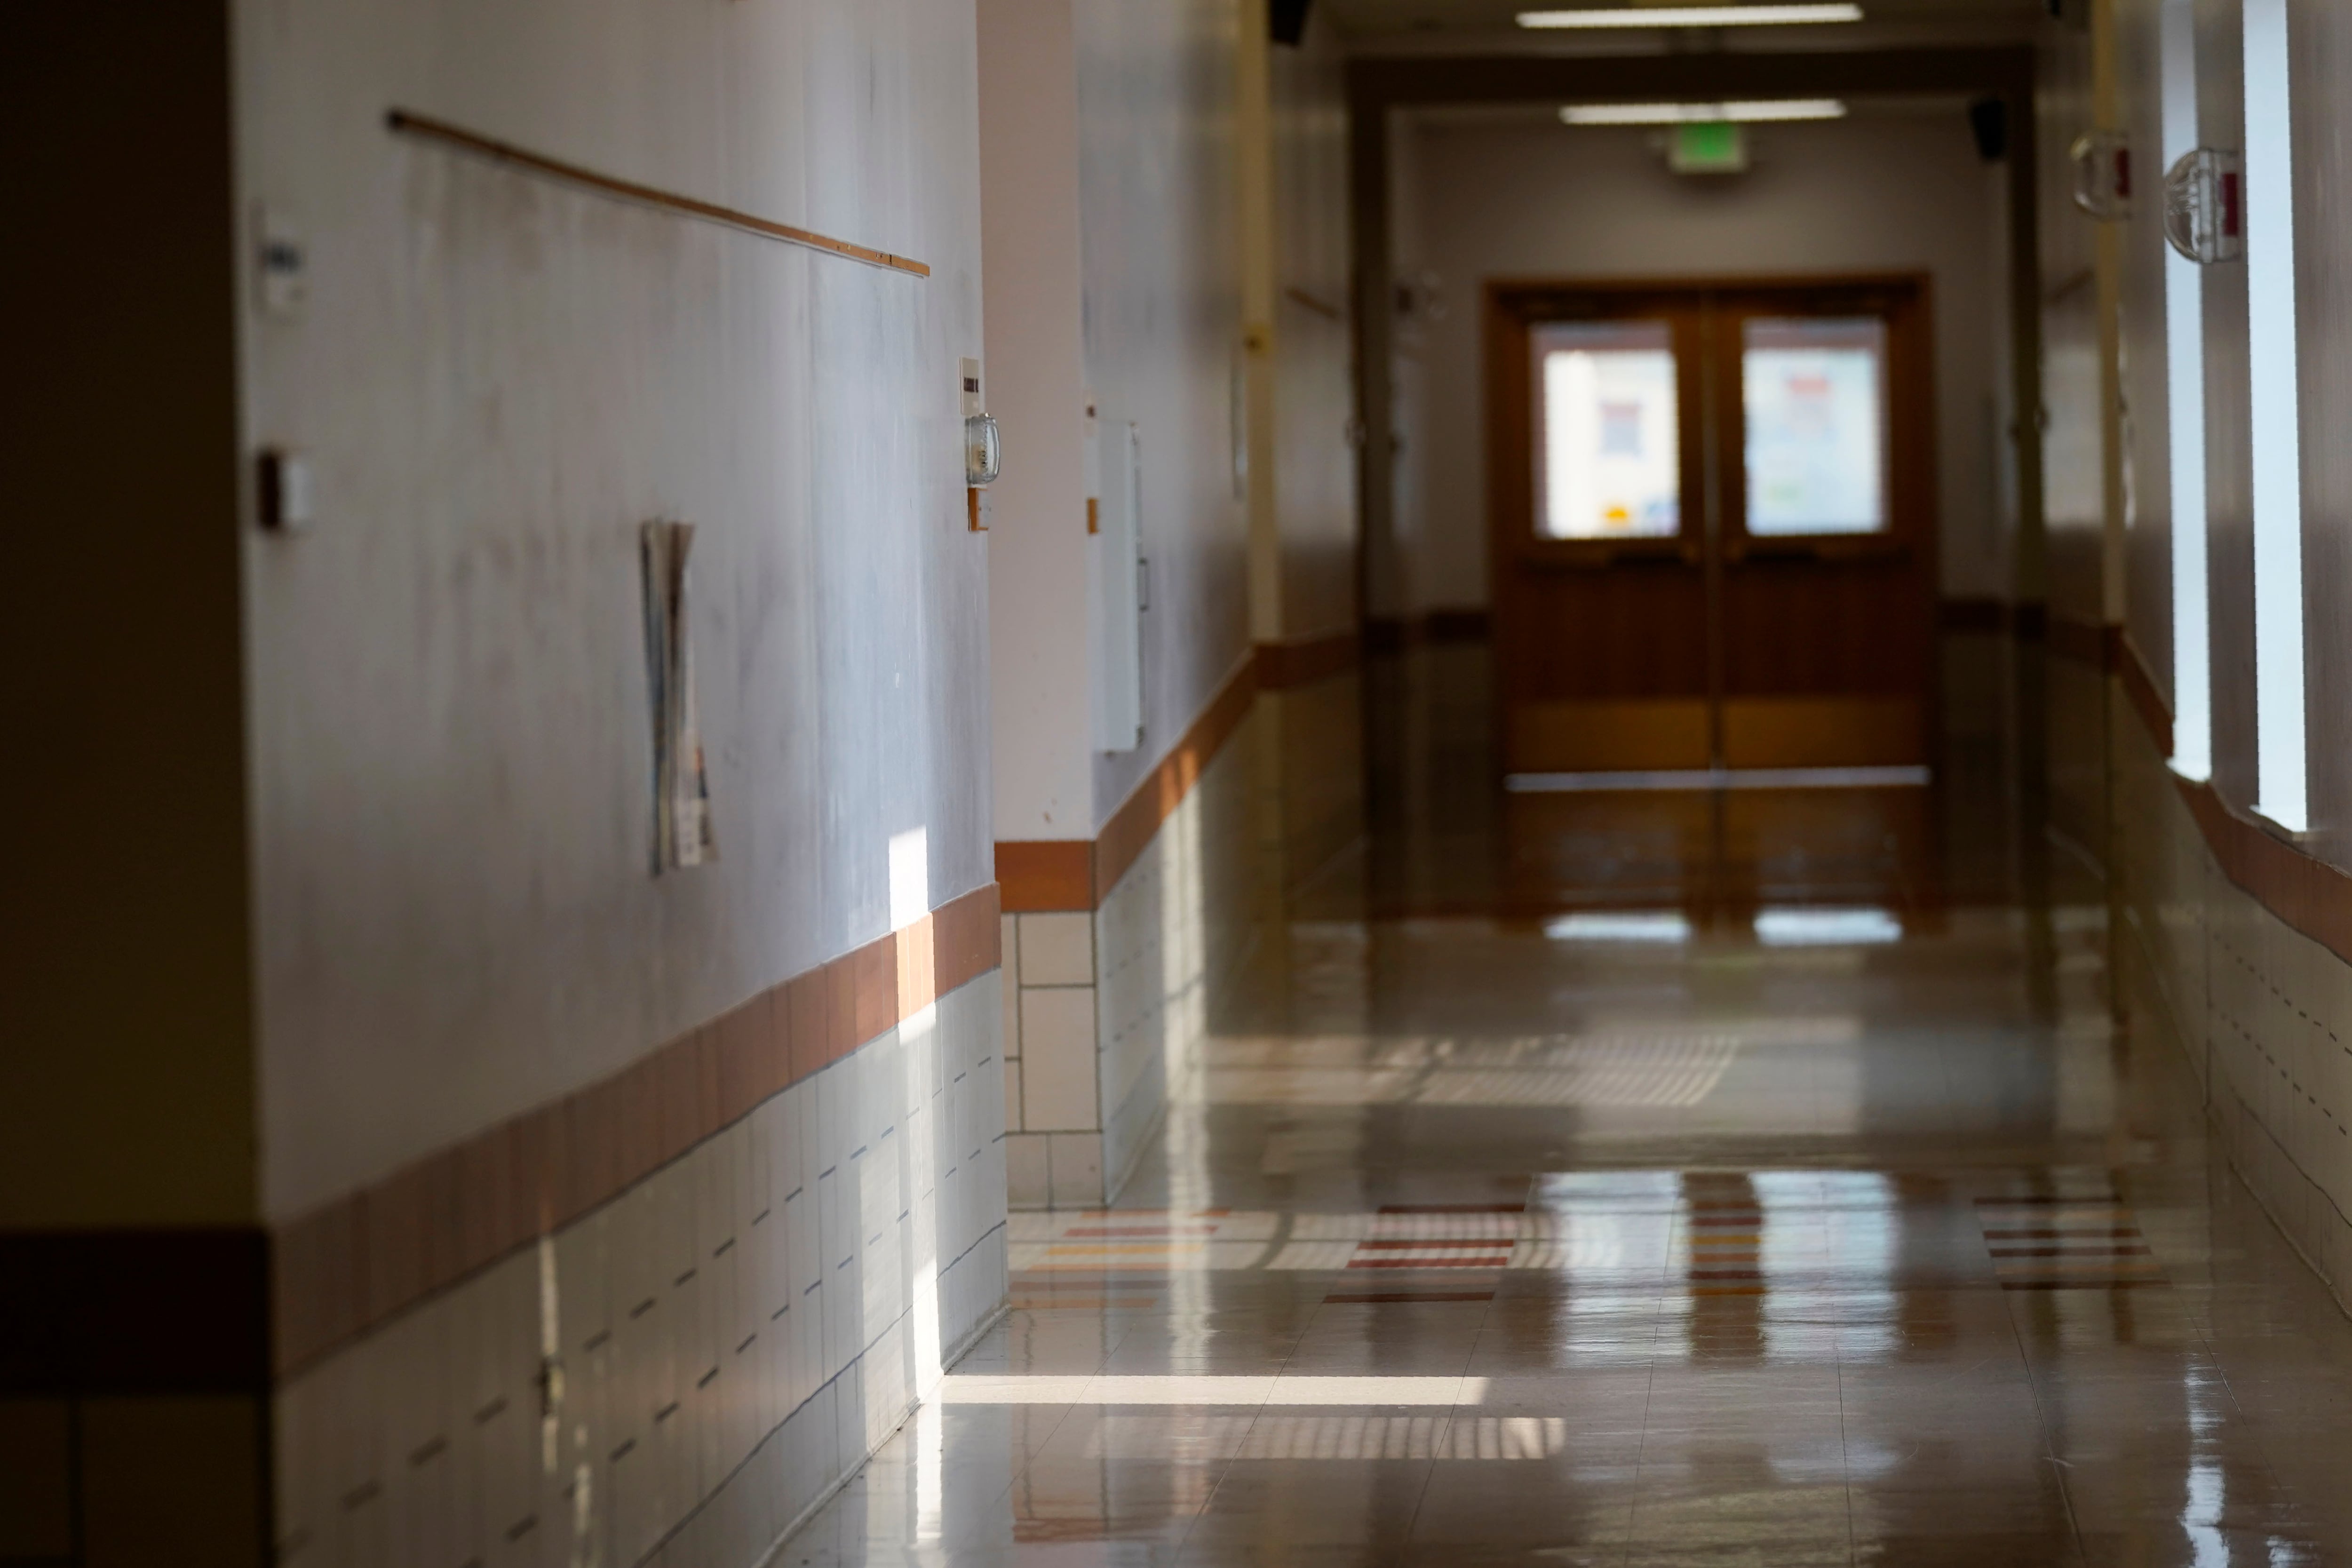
1205, 1390
1664, 926
1738, 110
1826, 927
1692, 15
1610, 464
2279, 779
911, 870
2184, 339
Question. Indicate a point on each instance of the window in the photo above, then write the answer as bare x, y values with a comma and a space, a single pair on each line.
2280, 781
2184, 339
1814, 392
1608, 464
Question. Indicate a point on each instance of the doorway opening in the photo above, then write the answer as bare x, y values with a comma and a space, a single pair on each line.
1713, 528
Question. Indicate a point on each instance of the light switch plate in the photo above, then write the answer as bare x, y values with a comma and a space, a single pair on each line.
287, 503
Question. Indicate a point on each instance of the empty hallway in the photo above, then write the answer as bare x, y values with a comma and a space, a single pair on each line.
1152, 782
1849, 1226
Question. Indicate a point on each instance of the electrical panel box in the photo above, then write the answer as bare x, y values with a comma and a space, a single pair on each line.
1115, 595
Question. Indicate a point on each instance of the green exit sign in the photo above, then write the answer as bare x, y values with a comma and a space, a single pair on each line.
1707, 147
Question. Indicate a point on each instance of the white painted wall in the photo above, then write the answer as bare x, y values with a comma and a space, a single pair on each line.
499, 378
1390, 554
1882, 190
1148, 102
2323, 283
1112, 219
1314, 391
1158, 217
1041, 666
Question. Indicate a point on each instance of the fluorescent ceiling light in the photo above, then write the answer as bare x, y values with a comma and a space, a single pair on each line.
1693, 15
1703, 113
1667, 926
1803, 927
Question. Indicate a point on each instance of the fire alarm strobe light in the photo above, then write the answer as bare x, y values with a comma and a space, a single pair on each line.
2204, 206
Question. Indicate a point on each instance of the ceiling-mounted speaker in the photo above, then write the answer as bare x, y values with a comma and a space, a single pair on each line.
1988, 119
1285, 21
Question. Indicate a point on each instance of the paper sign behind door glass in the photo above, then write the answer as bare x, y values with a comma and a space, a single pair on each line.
1607, 464
1814, 392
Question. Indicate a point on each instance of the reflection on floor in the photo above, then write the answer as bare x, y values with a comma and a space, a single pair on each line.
1446, 841
1822, 1221
1705, 852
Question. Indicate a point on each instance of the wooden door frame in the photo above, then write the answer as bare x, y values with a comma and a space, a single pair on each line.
1511, 421
1510, 411
1511, 309
1912, 455
1379, 87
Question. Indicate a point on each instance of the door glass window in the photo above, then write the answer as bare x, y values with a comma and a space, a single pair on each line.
1815, 394
1607, 464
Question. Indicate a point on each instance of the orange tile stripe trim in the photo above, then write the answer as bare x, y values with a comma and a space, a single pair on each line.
1128, 834
2140, 688
405, 124
1047, 874
1041, 874
353, 1264
2110, 648
1302, 660
2084, 642
2303, 890
1038, 875
1430, 628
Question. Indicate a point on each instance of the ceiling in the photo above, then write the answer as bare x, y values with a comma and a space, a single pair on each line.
1448, 26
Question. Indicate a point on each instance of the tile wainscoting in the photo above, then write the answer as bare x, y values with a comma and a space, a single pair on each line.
801, 1228
2263, 1009
1105, 1007
1112, 948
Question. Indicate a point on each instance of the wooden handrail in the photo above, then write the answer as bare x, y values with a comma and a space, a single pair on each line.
402, 121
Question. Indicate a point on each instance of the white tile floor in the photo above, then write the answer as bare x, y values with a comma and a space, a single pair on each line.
1505, 1248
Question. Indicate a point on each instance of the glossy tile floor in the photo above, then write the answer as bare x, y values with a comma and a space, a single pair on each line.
1793, 1232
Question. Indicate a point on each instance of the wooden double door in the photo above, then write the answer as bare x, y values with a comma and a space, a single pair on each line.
1712, 514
